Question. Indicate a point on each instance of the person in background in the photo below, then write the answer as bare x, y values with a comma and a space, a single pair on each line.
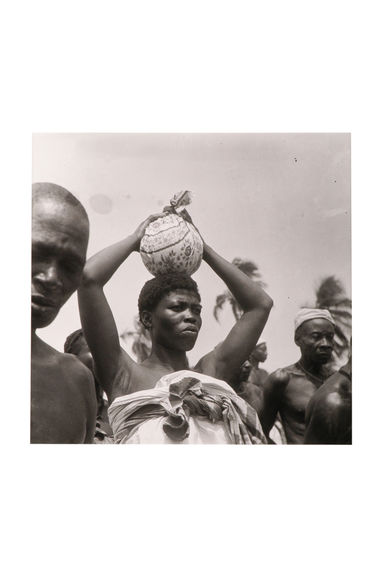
288, 390
76, 344
252, 380
63, 401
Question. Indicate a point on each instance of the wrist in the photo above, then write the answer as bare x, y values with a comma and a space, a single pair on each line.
206, 251
135, 242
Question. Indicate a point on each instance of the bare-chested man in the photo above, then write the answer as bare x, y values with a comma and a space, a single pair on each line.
63, 402
289, 390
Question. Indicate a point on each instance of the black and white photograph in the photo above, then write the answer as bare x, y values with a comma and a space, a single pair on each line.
214, 300
190, 236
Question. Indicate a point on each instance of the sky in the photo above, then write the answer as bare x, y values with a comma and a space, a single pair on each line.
280, 200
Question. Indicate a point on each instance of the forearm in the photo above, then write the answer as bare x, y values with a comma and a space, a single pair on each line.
267, 416
248, 294
101, 267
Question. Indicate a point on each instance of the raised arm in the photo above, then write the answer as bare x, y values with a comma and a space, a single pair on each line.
224, 361
97, 319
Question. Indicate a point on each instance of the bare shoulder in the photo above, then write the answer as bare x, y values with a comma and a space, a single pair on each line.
75, 373
278, 379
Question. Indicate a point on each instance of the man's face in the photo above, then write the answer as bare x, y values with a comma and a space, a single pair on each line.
315, 339
259, 353
59, 242
176, 320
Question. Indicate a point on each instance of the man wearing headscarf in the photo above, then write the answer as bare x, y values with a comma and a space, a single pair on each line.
287, 391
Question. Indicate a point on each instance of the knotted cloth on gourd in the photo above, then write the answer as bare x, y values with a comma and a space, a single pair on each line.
171, 243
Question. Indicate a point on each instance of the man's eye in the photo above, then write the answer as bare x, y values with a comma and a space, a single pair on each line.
71, 267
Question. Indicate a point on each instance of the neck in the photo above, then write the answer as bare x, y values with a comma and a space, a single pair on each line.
38, 346
169, 358
35, 341
255, 364
311, 367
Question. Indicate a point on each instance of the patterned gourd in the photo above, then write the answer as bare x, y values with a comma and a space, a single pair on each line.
171, 244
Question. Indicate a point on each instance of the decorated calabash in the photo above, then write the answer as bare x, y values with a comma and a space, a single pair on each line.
171, 244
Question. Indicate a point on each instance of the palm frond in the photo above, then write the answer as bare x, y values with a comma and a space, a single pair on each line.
141, 340
251, 270
221, 299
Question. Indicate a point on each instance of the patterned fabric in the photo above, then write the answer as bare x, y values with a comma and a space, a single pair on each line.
177, 401
171, 244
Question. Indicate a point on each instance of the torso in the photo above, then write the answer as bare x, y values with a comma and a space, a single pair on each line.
63, 403
297, 394
132, 377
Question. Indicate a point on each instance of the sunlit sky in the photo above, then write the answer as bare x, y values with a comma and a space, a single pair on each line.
281, 200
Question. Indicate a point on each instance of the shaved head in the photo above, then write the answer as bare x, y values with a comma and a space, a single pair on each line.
60, 234
52, 193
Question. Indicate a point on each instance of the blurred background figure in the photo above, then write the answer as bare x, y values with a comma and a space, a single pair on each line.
252, 378
251, 383
76, 344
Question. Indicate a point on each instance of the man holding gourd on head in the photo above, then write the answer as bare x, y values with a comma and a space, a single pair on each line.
163, 400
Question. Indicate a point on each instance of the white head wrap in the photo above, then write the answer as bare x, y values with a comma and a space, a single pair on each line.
311, 313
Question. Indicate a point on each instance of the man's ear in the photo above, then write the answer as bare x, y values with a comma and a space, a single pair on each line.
146, 319
296, 338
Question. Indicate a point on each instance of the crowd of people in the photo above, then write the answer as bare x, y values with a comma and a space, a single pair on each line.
95, 392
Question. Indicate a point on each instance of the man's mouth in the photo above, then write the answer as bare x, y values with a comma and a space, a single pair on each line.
325, 353
42, 301
191, 329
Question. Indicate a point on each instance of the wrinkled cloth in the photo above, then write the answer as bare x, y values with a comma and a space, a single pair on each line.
310, 313
185, 407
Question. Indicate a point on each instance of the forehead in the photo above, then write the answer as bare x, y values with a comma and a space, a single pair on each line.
181, 295
317, 325
59, 225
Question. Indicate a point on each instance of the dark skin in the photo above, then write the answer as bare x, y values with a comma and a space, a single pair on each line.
82, 352
174, 323
289, 394
63, 403
252, 385
329, 412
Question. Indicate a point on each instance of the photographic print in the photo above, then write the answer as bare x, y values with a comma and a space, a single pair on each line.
191, 288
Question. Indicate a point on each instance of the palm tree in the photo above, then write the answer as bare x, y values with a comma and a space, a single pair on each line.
141, 340
251, 270
331, 295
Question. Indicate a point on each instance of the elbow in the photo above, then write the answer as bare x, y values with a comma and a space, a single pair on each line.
88, 279
267, 303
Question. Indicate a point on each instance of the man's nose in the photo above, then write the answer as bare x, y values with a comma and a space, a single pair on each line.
326, 342
190, 316
49, 276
